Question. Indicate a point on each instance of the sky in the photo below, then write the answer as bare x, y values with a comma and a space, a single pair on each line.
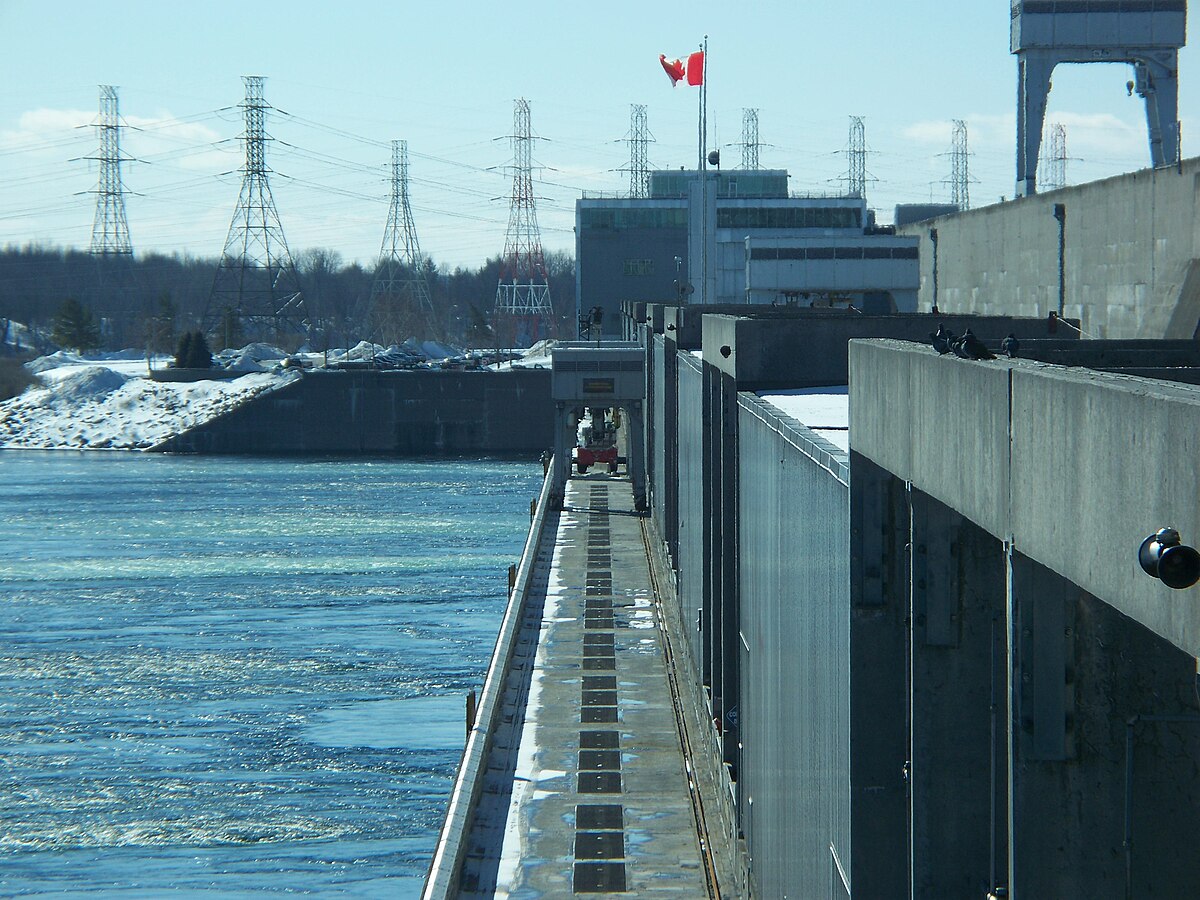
346, 81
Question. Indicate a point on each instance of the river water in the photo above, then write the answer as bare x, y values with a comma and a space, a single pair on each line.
233, 676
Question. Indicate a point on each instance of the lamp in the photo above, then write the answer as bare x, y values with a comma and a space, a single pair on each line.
1163, 555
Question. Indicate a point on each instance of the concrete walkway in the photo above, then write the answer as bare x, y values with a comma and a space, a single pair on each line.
589, 794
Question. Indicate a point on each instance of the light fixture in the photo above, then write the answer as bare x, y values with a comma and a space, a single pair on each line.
1163, 555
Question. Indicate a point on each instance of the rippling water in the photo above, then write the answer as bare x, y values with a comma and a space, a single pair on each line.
240, 676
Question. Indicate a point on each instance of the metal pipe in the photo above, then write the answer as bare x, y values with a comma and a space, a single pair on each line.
1129, 726
1060, 213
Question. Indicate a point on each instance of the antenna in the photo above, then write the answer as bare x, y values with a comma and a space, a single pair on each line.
960, 178
400, 293
639, 145
256, 292
110, 231
523, 292
857, 154
750, 142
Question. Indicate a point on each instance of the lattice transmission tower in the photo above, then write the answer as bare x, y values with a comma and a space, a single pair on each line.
639, 151
523, 308
110, 230
256, 292
856, 153
750, 142
960, 177
400, 301
1053, 174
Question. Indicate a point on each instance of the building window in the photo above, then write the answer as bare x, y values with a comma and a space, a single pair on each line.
639, 267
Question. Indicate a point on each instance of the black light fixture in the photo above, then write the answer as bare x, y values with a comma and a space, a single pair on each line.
1163, 555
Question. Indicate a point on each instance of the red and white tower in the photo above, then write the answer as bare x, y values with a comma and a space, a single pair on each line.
523, 313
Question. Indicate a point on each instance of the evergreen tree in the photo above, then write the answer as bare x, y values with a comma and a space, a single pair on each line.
201, 357
73, 326
183, 352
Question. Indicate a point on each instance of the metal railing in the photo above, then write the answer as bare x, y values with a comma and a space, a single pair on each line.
445, 869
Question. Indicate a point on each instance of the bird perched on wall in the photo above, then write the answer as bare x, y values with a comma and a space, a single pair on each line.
942, 339
971, 347
1010, 346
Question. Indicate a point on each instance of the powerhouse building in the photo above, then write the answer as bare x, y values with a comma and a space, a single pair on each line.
737, 237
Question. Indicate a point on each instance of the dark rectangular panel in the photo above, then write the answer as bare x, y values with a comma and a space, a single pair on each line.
599, 783
600, 760
599, 740
600, 816
599, 845
599, 878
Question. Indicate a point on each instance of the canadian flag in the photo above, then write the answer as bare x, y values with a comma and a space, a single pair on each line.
678, 70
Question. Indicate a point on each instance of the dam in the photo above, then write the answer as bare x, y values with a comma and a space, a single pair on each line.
911, 634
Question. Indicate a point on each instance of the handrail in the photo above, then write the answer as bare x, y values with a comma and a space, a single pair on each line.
446, 866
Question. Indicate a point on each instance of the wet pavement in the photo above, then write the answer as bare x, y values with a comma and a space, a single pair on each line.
588, 794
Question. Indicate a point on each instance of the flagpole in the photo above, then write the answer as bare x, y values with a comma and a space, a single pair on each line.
703, 123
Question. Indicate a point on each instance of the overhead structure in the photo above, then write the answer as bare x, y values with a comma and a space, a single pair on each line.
110, 231
857, 156
960, 178
639, 151
256, 292
400, 301
523, 313
1146, 35
750, 143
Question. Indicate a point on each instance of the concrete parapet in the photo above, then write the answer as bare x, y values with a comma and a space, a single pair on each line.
938, 421
1099, 462
1075, 466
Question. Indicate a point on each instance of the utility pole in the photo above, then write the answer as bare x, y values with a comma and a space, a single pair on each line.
750, 142
400, 293
857, 155
960, 179
639, 155
256, 292
522, 305
110, 231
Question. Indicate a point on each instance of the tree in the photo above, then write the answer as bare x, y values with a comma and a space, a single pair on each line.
73, 326
193, 352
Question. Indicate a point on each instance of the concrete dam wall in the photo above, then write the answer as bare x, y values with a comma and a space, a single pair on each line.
401, 412
1130, 256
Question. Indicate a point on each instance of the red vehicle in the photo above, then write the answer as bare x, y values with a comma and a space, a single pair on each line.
597, 443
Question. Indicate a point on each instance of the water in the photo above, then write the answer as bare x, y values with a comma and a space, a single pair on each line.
240, 676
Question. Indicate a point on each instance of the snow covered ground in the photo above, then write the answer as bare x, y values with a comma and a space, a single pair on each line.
113, 404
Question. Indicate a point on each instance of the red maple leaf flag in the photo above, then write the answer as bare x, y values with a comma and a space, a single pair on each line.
673, 68
695, 68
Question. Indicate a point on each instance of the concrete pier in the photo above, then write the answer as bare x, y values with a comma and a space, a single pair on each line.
588, 787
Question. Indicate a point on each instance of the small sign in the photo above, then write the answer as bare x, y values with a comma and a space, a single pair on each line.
599, 386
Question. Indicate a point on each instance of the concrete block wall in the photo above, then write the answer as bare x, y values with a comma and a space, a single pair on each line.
1132, 256
386, 412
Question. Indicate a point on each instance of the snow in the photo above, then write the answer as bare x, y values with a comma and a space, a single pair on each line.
825, 410
111, 403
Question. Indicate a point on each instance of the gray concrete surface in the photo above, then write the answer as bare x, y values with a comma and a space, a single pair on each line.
1132, 248
599, 727
403, 412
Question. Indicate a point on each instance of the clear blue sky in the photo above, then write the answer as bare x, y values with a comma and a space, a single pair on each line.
444, 76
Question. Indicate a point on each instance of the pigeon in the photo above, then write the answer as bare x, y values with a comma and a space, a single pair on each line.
973, 348
942, 339
1010, 346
